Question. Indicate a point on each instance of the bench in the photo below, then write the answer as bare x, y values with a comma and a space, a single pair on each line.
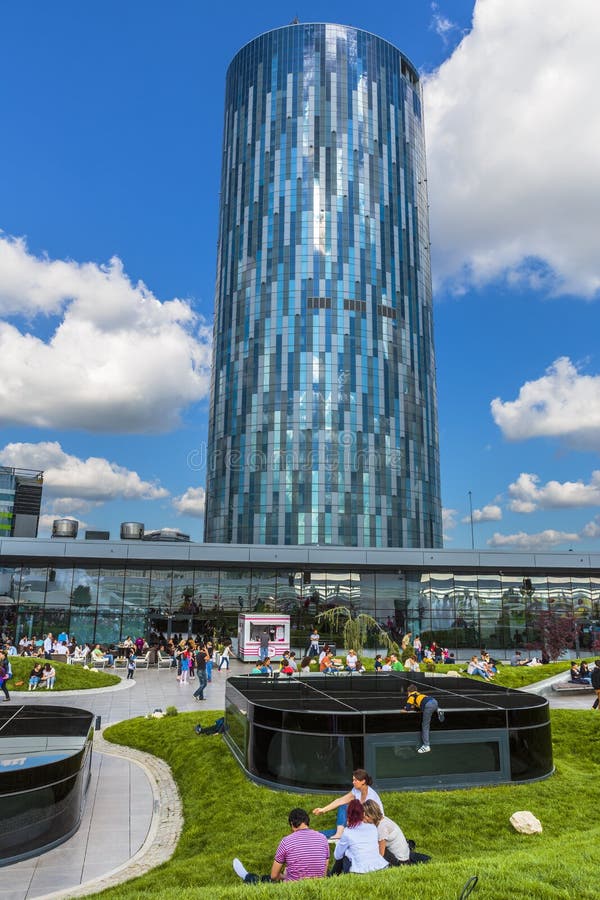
571, 687
58, 657
164, 662
141, 662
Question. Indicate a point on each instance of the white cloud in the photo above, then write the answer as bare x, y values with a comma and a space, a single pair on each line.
543, 540
489, 513
94, 480
440, 23
191, 503
448, 522
512, 140
562, 403
449, 518
119, 360
527, 494
592, 529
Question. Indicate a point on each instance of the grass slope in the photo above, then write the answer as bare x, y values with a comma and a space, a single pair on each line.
467, 832
68, 678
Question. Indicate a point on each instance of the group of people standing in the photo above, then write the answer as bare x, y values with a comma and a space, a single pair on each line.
195, 659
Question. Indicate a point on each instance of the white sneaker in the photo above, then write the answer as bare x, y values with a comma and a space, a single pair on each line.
239, 868
424, 749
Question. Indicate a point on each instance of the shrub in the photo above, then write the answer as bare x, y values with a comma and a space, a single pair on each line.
171, 711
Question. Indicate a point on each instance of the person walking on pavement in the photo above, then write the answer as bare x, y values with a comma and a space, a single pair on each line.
201, 657
596, 683
225, 654
417, 701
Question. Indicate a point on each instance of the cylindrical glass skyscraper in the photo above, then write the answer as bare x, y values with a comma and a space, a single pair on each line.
323, 422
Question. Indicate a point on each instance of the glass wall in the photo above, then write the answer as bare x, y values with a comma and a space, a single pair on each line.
457, 610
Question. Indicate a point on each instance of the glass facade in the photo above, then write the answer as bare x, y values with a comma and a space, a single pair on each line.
323, 420
20, 500
98, 602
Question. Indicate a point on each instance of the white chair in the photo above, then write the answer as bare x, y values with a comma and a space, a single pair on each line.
98, 663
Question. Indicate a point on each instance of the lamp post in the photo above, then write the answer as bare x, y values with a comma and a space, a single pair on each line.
471, 515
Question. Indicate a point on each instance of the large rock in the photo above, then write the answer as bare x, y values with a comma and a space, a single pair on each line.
525, 822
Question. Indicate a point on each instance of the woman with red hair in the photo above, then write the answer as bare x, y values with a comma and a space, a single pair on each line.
357, 850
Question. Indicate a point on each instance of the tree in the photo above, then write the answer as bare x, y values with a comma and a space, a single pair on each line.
557, 632
82, 595
355, 628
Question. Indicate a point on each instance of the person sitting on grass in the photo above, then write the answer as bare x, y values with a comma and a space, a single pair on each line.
476, 668
361, 790
305, 666
490, 664
393, 846
517, 660
411, 664
326, 666
351, 661
49, 676
324, 653
302, 854
35, 676
378, 664
357, 850
395, 663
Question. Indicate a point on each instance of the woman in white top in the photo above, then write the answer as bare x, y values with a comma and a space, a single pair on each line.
225, 654
393, 846
358, 847
323, 653
351, 661
361, 790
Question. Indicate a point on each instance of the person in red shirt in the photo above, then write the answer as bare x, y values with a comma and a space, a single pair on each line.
302, 854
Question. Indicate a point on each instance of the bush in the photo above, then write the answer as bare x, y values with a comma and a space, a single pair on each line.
171, 711
410, 651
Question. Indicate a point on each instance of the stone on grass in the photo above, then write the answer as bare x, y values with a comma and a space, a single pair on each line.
525, 822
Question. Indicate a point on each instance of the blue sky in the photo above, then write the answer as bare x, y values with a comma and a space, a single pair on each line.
110, 164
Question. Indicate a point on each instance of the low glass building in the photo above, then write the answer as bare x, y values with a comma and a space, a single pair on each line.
105, 590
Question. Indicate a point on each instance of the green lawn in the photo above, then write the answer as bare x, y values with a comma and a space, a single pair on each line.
68, 678
519, 676
508, 676
467, 832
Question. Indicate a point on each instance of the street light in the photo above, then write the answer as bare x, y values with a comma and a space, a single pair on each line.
471, 512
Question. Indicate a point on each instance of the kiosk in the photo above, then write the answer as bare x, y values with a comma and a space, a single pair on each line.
250, 629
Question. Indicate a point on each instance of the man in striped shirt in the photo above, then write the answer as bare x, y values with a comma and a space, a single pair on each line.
304, 854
